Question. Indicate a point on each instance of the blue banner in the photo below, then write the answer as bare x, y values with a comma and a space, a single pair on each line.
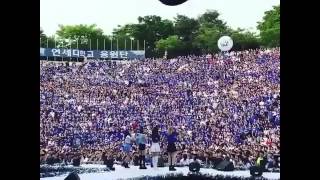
94, 54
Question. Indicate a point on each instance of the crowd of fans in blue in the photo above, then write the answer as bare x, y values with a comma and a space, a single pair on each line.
223, 107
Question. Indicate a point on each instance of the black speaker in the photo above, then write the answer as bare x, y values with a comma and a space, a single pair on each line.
172, 2
194, 167
225, 166
256, 171
72, 176
76, 162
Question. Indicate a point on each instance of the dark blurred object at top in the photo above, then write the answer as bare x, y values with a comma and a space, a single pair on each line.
172, 2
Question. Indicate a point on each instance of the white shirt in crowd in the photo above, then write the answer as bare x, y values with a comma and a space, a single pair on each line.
79, 108
84, 160
185, 162
127, 140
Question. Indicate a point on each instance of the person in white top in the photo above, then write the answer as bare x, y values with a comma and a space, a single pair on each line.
184, 161
127, 149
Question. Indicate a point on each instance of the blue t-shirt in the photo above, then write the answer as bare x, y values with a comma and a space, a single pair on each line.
172, 138
141, 139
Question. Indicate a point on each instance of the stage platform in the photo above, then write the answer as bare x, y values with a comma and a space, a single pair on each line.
135, 172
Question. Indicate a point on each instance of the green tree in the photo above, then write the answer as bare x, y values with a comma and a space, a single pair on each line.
210, 19
85, 36
244, 40
46, 41
123, 34
182, 36
42, 35
172, 44
185, 27
43, 38
270, 28
149, 28
211, 29
207, 39
152, 29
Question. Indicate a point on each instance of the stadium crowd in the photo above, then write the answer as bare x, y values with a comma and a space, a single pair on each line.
225, 107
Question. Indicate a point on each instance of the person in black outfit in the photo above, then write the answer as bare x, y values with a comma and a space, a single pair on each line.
141, 142
108, 161
50, 159
217, 160
136, 159
76, 160
171, 148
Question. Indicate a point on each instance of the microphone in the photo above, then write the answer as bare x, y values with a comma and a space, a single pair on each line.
172, 2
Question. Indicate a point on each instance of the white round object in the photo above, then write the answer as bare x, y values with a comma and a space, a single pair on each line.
225, 43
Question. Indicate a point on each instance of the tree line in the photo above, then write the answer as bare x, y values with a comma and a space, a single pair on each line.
181, 36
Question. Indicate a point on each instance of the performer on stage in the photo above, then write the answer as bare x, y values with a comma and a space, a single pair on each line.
171, 148
127, 149
141, 142
155, 147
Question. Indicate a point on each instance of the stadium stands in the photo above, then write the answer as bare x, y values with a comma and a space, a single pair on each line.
224, 107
